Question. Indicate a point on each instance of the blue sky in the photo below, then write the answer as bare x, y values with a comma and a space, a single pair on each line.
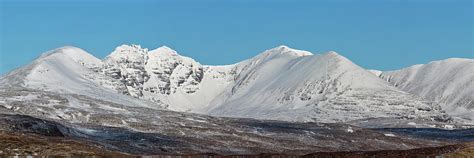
375, 34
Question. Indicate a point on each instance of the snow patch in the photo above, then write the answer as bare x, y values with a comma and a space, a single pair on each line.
389, 135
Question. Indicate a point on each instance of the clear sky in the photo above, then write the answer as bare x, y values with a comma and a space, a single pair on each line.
375, 34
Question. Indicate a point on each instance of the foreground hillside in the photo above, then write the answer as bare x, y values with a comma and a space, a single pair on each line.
32, 136
34, 145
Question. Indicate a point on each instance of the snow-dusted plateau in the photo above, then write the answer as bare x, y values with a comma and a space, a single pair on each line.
282, 101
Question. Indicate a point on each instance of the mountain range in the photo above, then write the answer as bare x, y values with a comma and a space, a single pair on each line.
281, 101
278, 84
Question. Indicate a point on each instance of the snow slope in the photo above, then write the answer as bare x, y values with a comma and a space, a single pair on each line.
281, 84
449, 82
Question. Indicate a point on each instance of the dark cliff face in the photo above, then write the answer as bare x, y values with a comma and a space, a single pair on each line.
127, 64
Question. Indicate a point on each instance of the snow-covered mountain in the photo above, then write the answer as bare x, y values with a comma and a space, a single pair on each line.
70, 70
281, 83
287, 84
449, 82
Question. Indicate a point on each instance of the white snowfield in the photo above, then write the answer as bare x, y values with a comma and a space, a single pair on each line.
449, 82
281, 84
